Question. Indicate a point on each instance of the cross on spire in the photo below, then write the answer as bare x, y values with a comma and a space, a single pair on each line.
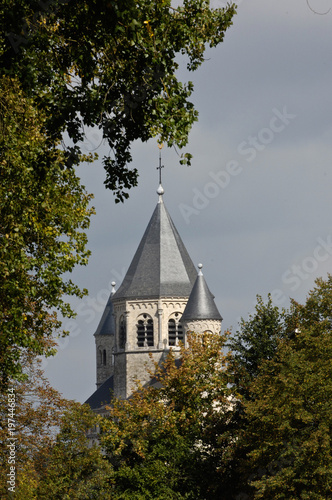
160, 189
160, 165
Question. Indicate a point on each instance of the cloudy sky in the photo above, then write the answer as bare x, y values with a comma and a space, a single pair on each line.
255, 206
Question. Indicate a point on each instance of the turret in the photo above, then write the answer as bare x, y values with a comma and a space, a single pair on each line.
104, 339
201, 313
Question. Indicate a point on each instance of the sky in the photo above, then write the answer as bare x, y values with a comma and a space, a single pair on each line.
255, 206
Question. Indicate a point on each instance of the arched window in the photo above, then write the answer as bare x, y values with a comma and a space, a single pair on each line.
100, 357
122, 333
175, 330
104, 357
171, 332
145, 331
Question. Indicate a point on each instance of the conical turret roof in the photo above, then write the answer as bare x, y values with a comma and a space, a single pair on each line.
161, 266
106, 324
201, 303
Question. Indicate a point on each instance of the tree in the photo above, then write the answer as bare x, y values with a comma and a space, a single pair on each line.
44, 212
110, 64
171, 440
255, 342
31, 412
65, 66
288, 411
75, 471
44, 438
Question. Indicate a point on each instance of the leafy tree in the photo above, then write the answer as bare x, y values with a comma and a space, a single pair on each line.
171, 440
255, 342
110, 64
31, 411
47, 435
44, 212
287, 435
75, 471
65, 66
317, 309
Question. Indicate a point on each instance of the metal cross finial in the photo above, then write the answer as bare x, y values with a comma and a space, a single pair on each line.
160, 165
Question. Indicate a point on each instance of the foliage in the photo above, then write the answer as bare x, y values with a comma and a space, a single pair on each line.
65, 66
31, 412
255, 342
74, 470
51, 456
169, 440
190, 434
44, 212
111, 64
288, 411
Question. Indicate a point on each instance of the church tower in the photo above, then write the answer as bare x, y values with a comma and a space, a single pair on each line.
159, 300
149, 304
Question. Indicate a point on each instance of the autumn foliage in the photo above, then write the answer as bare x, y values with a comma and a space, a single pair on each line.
215, 423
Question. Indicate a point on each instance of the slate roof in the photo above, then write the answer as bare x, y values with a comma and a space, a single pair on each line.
102, 395
201, 303
161, 266
107, 324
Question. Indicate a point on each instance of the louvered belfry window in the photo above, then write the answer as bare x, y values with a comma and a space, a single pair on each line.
175, 330
145, 331
122, 333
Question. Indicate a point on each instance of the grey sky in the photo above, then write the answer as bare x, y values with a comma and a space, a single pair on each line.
255, 206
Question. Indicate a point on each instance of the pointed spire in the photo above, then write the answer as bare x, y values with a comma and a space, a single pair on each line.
201, 305
161, 266
106, 325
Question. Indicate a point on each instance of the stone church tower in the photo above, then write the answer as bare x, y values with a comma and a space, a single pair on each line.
160, 298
